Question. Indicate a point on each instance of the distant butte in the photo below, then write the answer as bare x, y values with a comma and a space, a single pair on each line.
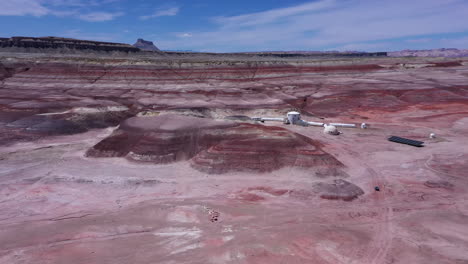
145, 45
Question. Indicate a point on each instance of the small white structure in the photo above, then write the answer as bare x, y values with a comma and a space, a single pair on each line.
294, 117
364, 126
432, 135
331, 130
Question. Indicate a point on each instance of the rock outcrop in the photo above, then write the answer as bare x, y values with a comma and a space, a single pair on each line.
439, 184
145, 45
338, 190
212, 146
262, 149
28, 125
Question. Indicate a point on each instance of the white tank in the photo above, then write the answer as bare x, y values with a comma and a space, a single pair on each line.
331, 130
293, 117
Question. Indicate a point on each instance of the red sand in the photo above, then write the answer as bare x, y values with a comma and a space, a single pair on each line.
59, 206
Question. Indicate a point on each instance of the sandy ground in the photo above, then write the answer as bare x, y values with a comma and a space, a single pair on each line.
58, 206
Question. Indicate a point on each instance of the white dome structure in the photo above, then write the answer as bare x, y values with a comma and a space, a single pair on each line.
331, 130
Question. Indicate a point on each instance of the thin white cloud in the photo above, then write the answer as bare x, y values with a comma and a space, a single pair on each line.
420, 40
255, 19
60, 8
173, 11
381, 46
185, 35
77, 3
78, 34
99, 16
22, 8
324, 24
461, 42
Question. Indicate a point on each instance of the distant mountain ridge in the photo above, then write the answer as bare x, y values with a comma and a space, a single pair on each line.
69, 45
447, 53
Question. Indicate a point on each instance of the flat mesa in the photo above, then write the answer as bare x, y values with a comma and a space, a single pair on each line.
406, 141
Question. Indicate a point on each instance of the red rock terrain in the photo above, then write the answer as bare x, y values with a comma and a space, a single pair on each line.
212, 146
140, 160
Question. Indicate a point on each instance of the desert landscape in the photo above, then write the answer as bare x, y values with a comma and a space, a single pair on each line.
154, 157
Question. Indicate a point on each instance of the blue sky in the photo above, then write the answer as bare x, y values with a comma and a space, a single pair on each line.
246, 25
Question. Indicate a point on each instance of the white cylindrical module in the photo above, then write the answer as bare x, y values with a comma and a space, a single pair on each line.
342, 125
331, 130
293, 117
300, 123
275, 119
314, 123
364, 125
